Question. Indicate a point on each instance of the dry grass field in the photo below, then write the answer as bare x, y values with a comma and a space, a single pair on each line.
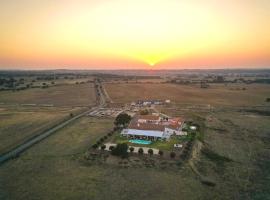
52, 170
18, 124
233, 152
243, 137
215, 95
237, 162
64, 95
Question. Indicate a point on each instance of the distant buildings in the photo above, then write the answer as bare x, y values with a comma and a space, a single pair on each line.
151, 127
149, 102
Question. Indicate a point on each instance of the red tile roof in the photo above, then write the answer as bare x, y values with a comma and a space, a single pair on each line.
146, 126
174, 123
148, 117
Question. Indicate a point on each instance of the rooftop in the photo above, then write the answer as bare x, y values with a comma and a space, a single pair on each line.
148, 117
174, 123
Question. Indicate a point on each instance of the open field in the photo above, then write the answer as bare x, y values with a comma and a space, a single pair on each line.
234, 156
18, 124
64, 95
52, 170
242, 137
215, 95
230, 157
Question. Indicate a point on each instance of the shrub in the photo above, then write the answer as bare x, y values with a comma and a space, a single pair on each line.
172, 154
111, 148
131, 149
150, 151
140, 151
103, 147
95, 146
98, 142
105, 137
144, 112
101, 139
120, 150
160, 153
71, 114
109, 134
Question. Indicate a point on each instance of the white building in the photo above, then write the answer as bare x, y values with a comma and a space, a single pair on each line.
152, 127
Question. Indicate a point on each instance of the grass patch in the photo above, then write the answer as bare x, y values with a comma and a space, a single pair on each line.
162, 145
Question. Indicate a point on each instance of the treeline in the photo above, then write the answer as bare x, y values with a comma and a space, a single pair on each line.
220, 80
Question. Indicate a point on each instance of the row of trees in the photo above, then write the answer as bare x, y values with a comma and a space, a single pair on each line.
121, 150
101, 140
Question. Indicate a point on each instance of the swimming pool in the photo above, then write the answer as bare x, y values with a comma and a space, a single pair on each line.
140, 141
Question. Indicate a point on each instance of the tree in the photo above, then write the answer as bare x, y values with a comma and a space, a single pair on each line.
140, 151
160, 153
144, 112
120, 150
220, 79
172, 154
109, 134
150, 151
131, 149
122, 120
111, 148
71, 114
95, 146
103, 147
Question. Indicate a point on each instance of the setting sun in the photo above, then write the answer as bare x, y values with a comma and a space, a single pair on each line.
119, 34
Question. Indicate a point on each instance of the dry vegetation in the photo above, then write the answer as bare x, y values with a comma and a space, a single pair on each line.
53, 169
215, 95
232, 160
64, 95
236, 154
19, 124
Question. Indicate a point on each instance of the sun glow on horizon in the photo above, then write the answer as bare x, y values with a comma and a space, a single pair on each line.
134, 33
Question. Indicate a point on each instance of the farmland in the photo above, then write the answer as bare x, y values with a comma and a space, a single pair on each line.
229, 158
27, 113
55, 164
64, 95
191, 94
17, 125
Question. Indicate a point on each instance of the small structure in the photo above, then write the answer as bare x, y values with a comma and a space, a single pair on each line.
167, 101
177, 145
149, 102
193, 128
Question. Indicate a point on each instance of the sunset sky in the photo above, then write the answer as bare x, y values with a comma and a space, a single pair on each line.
127, 34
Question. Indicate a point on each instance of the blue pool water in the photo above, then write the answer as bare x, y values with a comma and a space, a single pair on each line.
140, 141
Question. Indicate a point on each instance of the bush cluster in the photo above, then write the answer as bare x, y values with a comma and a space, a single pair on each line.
120, 150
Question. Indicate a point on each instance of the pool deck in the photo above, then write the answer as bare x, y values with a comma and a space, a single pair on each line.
136, 149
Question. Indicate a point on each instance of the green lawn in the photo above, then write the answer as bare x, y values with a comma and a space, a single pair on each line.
162, 145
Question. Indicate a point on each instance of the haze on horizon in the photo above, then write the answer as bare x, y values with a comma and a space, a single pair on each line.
134, 34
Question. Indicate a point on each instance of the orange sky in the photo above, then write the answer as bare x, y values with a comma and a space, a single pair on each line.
116, 34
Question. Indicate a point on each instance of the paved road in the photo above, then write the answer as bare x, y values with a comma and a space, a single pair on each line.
22, 147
